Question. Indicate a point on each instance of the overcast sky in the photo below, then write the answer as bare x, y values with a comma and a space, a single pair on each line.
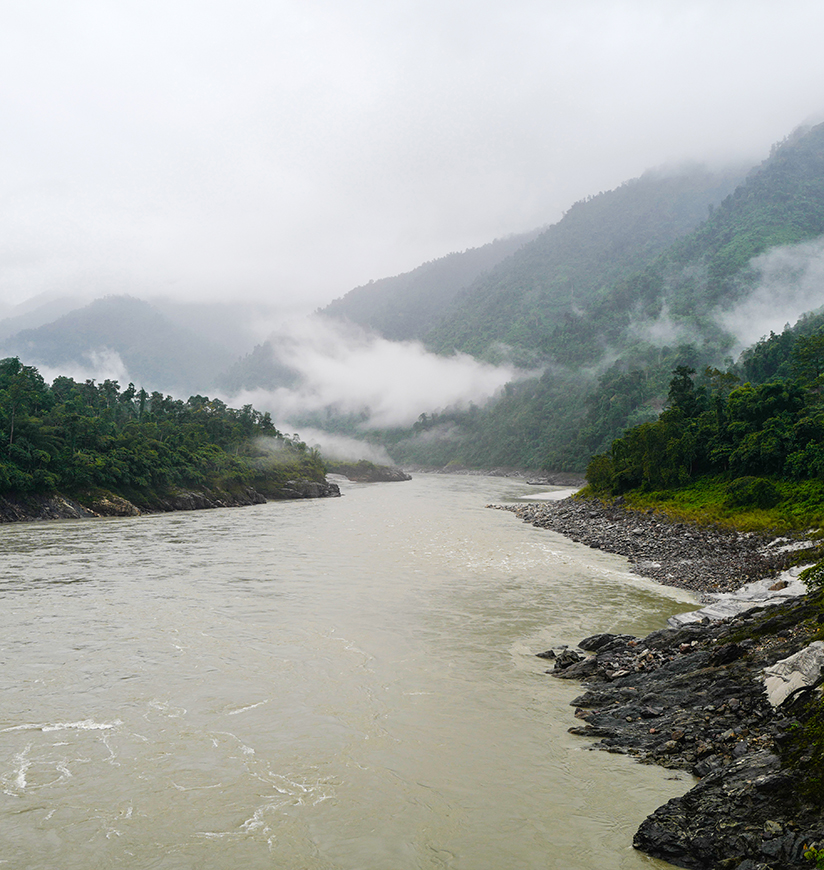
293, 149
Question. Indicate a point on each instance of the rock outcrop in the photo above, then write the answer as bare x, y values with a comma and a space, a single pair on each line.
309, 489
368, 472
694, 698
53, 506
722, 696
100, 503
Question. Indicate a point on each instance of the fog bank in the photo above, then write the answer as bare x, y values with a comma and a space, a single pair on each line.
789, 282
354, 372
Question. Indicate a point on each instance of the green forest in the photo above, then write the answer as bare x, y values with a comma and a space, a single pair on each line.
748, 438
601, 307
80, 438
629, 286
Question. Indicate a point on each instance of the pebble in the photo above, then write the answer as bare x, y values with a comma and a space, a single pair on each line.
698, 558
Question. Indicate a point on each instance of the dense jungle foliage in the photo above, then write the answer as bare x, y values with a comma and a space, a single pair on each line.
74, 437
680, 243
717, 425
553, 299
723, 443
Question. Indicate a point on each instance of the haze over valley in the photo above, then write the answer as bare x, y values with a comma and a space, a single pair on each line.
553, 214
561, 260
494, 355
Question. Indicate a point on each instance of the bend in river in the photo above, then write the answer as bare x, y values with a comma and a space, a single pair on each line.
336, 683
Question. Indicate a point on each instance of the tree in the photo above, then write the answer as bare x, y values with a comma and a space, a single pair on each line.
22, 390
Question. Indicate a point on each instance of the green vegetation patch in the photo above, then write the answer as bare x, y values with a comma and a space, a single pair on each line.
793, 506
83, 438
752, 492
803, 748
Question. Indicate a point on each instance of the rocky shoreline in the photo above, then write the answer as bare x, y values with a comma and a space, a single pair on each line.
673, 554
367, 472
55, 506
693, 698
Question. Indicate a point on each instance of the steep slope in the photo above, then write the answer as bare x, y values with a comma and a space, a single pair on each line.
157, 354
525, 301
646, 323
257, 369
407, 306
780, 203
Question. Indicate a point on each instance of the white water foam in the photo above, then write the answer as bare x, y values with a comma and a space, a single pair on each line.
244, 709
84, 725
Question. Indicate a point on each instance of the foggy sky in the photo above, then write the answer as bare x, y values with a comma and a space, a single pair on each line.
289, 150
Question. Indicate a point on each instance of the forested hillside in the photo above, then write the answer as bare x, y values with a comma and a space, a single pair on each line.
538, 300
630, 285
407, 306
79, 438
760, 421
606, 365
618, 259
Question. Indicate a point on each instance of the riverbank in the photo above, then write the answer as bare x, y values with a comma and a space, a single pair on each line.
701, 559
538, 476
26, 507
693, 697
364, 471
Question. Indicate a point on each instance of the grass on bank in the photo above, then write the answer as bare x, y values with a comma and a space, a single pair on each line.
764, 505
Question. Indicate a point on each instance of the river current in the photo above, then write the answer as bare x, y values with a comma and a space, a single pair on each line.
326, 684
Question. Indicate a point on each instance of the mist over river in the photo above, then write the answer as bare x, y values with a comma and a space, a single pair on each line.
326, 684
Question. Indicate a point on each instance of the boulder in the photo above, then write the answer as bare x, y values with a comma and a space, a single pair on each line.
795, 672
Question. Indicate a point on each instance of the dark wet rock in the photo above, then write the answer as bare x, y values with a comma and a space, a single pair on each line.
309, 489
101, 503
727, 653
53, 506
601, 642
566, 658
577, 670
728, 820
368, 472
693, 698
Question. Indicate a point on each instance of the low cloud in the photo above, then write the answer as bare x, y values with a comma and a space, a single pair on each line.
342, 449
97, 365
789, 283
355, 372
663, 330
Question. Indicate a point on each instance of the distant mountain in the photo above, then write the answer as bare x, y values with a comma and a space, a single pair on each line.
407, 306
38, 311
233, 325
158, 354
258, 369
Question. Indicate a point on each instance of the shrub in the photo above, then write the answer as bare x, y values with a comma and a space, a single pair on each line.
752, 492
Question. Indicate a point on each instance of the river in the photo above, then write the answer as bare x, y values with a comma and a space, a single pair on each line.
316, 685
